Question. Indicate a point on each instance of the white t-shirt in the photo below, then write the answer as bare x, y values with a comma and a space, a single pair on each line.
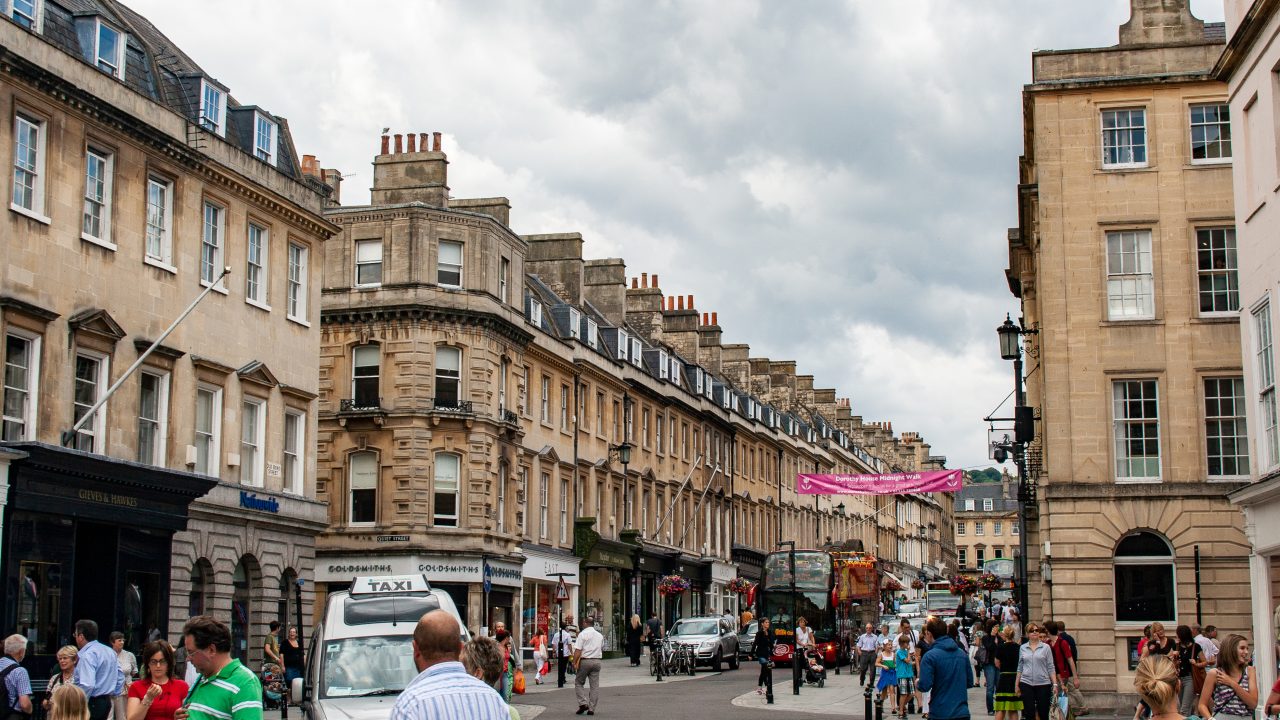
1007, 614
591, 643
1206, 645
804, 636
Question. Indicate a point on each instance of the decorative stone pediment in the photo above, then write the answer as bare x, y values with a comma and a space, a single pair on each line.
141, 345
550, 453
97, 322
211, 365
256, 372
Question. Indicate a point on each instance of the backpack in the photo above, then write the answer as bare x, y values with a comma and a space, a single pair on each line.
8, 708
981, 654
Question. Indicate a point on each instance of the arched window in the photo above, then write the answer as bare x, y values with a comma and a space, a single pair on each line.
201, 580
287, 580
1146, 590
363, 473
448, 374
445, 498
241, 606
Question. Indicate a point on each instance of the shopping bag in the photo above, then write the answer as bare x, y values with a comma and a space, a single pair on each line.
517, 685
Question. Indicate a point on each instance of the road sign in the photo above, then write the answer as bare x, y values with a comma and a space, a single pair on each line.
562, 591
488, 578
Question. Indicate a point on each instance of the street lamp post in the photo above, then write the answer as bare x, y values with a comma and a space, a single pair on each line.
795, 651
1011, 349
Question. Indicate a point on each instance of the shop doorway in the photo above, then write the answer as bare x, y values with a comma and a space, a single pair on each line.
93, 593
244, 579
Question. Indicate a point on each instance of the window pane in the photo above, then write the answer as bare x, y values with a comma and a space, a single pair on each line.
25, 162
1226, 439
149, 389
85, 395
17, 387
450, 265
1145, 593
363, 468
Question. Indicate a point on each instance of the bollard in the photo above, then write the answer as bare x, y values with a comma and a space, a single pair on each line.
284, 707
880, 707
768, 685
866, 702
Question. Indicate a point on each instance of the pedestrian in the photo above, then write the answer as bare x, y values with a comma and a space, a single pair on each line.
886, 663
17, 683
804, 636
1231, 689
295, 663
1064, 665
271, 648
482, 658
503, 638
986, 657
904, 664
97, 672
128, 666
634, 631
159, 693
1159, 643
1146, 638
1037, 677
69, 703
1071, 642
588, 649
653, 635
540, 663
729, 621
443, 689
1190, 660
945, 673
1156, 682
762, 649
904, 630
954, 631
1008, 701
867, 645
1207, 644
563, 642
66, 656
226, 689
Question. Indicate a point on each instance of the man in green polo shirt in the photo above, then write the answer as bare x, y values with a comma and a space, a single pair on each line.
226, 690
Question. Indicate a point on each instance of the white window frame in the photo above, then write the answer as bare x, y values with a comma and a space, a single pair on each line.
296, 298
30, 410
575, 324
564, 511
265, 153
161, 233
1170, 560
564, 407
988, 504
961, 528
438, 482
252, 440
501, 511
96, 429
1221, 248
367, 259
215, 121
36, 19
1014, 528
1132, 282
293, 473
351, 488
962, 555
442, 373
115, 65
997, 527
97, 196
213, 242
442, 266
213, 467
35, 169
544, 489
1264, 355
664, 366
1128, 131
624, 345
637, 352
535, 313
545, 399
1121, 422
968, 504
357, 376
1219, 123
593, 334
504, 273
161, 420
1230, 413
257, 293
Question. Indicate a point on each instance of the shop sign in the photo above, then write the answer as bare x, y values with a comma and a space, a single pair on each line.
392, 538
437, 568
547, 568
723, 572
249, 501
609, 558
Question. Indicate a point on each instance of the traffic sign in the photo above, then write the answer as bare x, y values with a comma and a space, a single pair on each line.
562, 591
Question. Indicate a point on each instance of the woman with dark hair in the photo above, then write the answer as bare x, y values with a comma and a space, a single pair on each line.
159, 693
762, 648
294, 662
1189, 657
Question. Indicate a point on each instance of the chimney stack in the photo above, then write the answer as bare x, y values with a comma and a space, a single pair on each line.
400, 177
310, 166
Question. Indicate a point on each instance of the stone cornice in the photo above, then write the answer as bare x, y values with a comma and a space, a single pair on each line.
1242, 40
1140, 491
419, 313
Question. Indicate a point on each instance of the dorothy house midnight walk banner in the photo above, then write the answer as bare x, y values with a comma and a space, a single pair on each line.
891, 484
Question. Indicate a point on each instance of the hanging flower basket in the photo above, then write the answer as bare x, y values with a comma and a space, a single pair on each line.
963, 585
891, 585
739, 585
672, 585
988, 581
917, 584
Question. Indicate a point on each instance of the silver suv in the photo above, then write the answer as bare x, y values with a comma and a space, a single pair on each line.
711, 641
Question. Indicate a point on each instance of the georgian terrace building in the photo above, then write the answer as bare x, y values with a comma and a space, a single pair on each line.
476, 385
133, 178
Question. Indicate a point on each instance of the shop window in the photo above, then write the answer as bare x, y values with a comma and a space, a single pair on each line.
445, 493
1145, 590
201, 581
242, 582
39, 599
364, 488
142, 608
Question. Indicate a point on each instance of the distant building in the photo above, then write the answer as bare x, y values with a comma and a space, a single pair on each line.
986, 523
133, 177
1124, 259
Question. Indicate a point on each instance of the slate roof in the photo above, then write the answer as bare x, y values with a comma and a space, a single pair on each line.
157, 69
995, 491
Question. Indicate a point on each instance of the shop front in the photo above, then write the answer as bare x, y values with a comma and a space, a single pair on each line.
607, 567
651, 563
750, 563
462, 576
546, 602
723, 600
87, 536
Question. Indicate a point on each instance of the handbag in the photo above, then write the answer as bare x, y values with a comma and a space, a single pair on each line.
517, 685
1197, 679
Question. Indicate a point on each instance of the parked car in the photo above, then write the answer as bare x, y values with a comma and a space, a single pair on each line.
712, 642
747, 638
911, 610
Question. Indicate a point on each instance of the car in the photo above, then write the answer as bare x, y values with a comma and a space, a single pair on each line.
712, 642
911, 610
361, 653
747, 638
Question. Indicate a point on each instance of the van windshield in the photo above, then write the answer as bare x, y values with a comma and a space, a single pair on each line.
364, 666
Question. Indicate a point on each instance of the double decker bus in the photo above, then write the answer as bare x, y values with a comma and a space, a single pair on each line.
827, 585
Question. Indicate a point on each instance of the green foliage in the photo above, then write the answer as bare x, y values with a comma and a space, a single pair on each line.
990, 475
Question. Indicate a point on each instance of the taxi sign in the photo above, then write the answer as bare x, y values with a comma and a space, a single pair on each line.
383, 584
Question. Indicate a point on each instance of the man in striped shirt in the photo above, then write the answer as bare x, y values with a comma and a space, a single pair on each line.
443, 690
226, 689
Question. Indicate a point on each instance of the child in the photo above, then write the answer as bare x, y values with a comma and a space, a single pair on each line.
888, 678
68, 703
905, 668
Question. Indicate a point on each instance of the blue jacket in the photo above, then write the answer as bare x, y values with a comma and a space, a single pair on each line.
946, 673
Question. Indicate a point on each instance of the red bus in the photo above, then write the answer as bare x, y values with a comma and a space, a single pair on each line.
826, 584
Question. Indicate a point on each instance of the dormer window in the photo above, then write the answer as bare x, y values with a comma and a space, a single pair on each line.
728, 399
636, 352
213, 108
265, 132
593, 334
710, 390
575, 324
108, 49
663, 365
26, 13
535, 312
676, 370
623, 345
697, 379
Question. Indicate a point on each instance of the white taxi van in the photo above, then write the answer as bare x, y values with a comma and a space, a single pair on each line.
361, 653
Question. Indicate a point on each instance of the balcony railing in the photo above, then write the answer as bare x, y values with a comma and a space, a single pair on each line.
360, 405
509, 416
461, 407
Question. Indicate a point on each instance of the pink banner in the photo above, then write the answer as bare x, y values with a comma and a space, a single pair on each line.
892, 484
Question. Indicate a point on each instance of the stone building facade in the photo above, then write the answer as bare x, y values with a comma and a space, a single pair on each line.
477, 387
133, 178
1124, 260
986, 523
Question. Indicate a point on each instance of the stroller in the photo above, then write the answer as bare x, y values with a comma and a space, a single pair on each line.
815, 673
273, 689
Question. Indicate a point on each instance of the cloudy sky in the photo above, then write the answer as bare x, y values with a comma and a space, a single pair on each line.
833, 178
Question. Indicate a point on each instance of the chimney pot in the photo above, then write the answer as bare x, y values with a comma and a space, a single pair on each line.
435, 142
413, 143
644, 279
655, 279
399, 143
386, 144
715, 320
679, 302
635, 283
690, 302
422, 142
705, 318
